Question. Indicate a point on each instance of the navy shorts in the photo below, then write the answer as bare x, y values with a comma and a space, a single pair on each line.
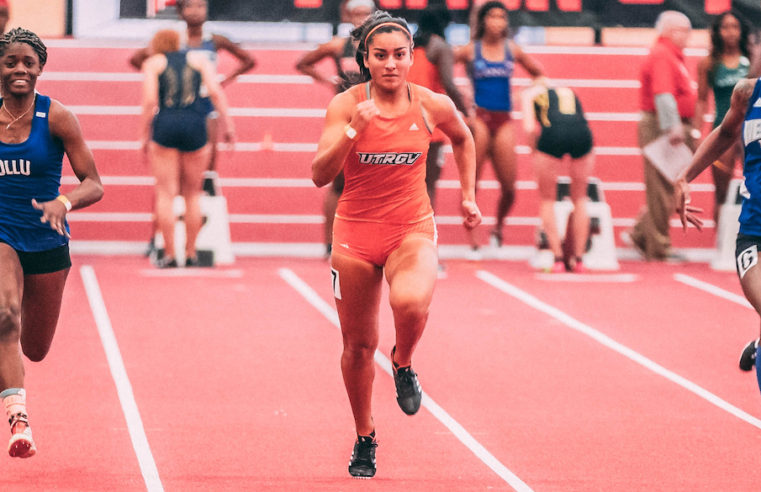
48, 261
184, 130
746, 253
561, 139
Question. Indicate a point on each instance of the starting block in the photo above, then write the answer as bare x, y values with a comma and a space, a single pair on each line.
213, 244
728, 226
601, 245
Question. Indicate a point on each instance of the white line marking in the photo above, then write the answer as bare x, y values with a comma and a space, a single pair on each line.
712, 289
590, 277
606, 341
441, 415
123, 386
192, 272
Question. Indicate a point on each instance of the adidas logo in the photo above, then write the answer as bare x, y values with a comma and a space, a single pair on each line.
414, 127
757, 104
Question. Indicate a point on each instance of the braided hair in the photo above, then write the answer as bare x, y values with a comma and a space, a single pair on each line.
361, 33
21, 35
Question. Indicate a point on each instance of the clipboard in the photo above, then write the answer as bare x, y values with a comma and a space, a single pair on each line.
669, 160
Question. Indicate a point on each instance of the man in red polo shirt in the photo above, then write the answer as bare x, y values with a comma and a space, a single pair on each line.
667, 101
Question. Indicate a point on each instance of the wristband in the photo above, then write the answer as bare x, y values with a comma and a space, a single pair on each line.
65, 201
350, 132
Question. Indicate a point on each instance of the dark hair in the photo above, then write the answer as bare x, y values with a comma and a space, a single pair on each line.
717, 44
360, 34
431, 21
21, 35
180, 4
485, 8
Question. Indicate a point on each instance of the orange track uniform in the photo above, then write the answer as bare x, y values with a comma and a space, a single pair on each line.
385, 199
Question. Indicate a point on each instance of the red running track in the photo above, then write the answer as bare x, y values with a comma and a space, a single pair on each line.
235, 377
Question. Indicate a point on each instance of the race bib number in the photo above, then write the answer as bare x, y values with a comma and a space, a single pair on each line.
336, 283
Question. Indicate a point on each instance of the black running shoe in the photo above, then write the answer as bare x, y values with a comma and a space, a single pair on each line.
362, 464
165, 262
748, 356
408, 391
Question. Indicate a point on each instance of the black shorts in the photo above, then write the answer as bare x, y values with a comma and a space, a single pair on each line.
746, 253
48, 261
561, 139
184, 130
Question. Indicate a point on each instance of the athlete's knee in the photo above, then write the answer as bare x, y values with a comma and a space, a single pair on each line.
10, 322
359, 349
411, 306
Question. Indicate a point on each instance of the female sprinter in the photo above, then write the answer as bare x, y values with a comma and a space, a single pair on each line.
490, 58
378, 133
35, 132
175, 137
726, 64
555, 123
743, 119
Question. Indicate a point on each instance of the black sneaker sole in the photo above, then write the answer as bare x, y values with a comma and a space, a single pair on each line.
748, 356
362, 474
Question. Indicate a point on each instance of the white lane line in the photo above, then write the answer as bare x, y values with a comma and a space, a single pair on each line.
191, 273
588, 277
123, 386
441, 415
712, 289
605, 340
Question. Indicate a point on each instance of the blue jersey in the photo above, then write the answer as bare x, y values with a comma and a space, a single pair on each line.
209, 50
207, 47
31, 169
750, 216
491, 80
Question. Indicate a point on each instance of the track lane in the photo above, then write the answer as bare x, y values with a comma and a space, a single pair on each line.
241, 388
79, 427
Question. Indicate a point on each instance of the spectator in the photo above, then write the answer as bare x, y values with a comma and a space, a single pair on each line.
667, 101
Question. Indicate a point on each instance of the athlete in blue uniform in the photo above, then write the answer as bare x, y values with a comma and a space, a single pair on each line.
743, 118
194, 13
175, 137
35, 132
490, 59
